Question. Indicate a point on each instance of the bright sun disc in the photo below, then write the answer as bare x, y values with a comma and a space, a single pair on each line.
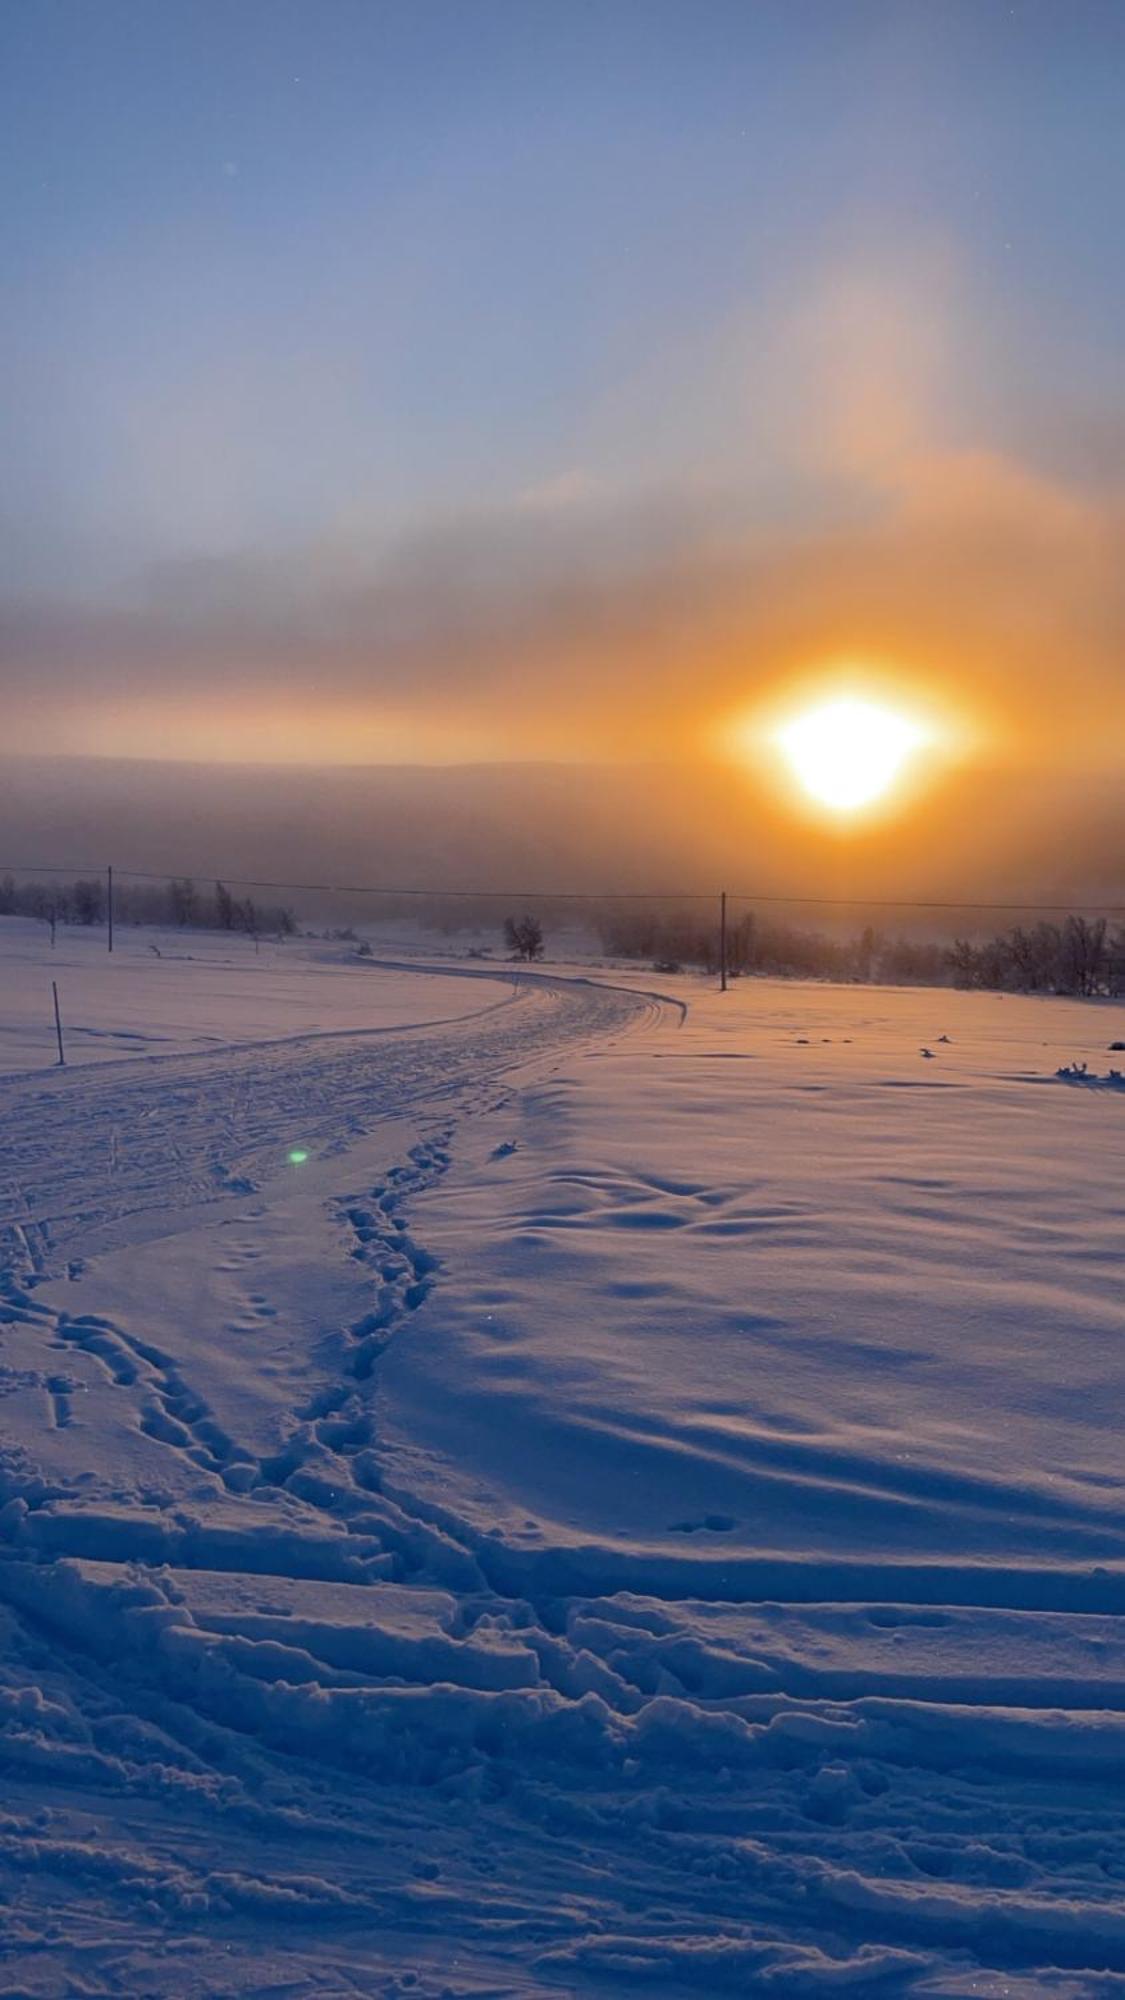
846, 754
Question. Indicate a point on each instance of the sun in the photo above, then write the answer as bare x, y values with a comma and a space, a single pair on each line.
848, 753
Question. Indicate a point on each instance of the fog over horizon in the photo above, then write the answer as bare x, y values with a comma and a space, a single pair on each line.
552, 828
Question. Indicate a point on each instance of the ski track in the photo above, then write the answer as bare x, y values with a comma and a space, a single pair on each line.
145, 1139
300, 1738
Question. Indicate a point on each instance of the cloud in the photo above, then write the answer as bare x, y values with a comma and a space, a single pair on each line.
597, 629
840, 504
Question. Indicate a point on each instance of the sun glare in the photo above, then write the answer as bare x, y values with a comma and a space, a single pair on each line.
847, 754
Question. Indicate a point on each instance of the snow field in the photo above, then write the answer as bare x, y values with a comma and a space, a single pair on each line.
176, 992
637, 1506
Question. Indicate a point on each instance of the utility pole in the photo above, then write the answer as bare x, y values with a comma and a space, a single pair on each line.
723, 942
58, 1025
109, 905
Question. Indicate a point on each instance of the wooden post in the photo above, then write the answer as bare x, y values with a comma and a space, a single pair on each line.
58, 1025
723, 942
109, 905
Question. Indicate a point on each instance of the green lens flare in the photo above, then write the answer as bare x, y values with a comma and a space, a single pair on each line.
298, 1156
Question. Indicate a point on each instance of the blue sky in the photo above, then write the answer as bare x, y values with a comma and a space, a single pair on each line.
319, 300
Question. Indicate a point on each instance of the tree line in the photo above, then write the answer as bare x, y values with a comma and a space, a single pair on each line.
1078, 956
178, 904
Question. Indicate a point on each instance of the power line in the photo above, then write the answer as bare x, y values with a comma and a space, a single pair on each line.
465, 895
542, 895
28, 868
917, 903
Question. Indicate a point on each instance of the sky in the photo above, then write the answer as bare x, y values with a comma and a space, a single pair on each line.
470, 380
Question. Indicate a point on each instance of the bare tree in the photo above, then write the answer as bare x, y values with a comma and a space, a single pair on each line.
524, 937
1034, 957
868, 950
183, 902
1085, 956
89, 901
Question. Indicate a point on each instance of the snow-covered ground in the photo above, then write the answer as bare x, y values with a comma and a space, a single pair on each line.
532, 1485
170, 992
